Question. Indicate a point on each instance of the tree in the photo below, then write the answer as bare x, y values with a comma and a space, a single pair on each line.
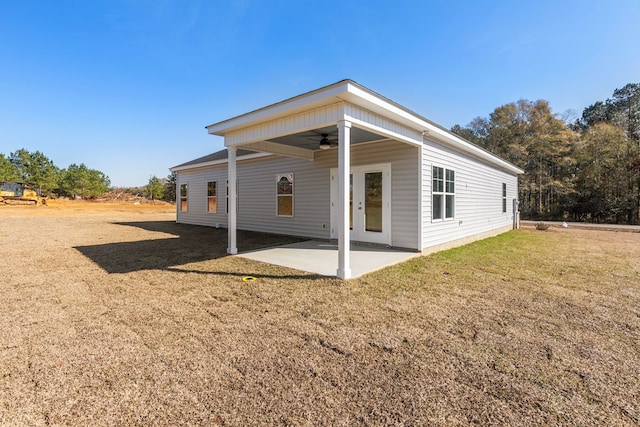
155, 189
35, 168
626, 110
603, 175
80, 181
600, 112
622, 111
8, 171
530, 136
170, 187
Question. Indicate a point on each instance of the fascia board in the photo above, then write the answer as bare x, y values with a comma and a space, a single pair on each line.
310, 100
217, 162
377, 104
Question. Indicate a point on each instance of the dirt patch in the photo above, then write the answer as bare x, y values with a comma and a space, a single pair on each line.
62, 207
118, 316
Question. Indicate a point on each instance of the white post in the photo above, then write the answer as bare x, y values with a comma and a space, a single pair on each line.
231, 186
344, 172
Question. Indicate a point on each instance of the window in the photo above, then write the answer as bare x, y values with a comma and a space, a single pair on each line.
443, 193
284, 194
212, 197
183, 197
504, 198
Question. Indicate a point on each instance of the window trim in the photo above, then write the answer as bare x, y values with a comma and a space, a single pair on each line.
215, 196
184, 197
504, 197
291, 179
446, 183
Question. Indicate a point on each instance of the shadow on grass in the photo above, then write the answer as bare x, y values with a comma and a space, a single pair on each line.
257, 274
191, 243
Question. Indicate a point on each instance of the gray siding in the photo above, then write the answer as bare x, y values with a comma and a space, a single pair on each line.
405, 209
257, 196
478, 196
196, 181
312, 191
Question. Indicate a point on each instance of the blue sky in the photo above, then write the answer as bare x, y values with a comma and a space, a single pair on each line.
127, 86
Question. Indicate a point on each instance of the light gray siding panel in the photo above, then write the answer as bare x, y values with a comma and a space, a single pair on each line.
257, 197
312, 192
196, 181
478, 196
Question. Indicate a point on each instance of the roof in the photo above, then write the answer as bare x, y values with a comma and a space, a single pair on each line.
351, 92
332, 91
343, 91
216, 158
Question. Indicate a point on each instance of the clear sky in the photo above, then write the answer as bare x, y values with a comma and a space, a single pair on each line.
127, 86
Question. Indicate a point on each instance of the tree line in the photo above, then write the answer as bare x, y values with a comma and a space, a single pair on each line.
587, 169
38, 170
76, 181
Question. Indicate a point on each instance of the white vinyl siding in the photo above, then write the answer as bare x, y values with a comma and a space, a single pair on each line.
477, 209
197, 181
257, 202
477, 189
405, 177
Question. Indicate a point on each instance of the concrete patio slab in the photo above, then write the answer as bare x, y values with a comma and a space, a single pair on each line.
322, 257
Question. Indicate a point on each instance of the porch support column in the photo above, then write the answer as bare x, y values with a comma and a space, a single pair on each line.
233, 214
344, 172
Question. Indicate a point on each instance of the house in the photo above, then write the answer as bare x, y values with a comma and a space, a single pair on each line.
343, 162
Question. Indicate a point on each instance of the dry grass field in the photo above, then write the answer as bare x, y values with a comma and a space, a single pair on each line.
115, 315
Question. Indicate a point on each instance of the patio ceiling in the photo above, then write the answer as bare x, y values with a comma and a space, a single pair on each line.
310, 139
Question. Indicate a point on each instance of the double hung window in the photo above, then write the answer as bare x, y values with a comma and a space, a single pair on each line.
183, 197
212, 197
504, 198
443, 193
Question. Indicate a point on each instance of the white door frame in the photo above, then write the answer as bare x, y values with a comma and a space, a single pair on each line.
359, 233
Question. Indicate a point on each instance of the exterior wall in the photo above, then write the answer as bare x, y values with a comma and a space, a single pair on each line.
257, 210
196, 180
478, 199
405, 209
312, 192
257, 196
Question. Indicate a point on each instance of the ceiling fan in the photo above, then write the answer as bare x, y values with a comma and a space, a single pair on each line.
326, 143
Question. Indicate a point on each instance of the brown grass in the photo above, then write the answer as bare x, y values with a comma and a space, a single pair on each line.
122, 317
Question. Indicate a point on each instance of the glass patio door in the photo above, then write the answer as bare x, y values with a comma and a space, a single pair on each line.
369, 203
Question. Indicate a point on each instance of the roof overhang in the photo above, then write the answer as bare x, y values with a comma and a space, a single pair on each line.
348, 92
191, 165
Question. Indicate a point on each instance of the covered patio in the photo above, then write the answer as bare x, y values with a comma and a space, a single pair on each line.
338, 117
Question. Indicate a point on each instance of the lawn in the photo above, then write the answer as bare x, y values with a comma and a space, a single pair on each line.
122, 317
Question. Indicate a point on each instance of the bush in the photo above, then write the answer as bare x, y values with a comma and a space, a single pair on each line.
542, 226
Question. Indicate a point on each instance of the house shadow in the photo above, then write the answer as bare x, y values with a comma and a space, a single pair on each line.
189, 244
